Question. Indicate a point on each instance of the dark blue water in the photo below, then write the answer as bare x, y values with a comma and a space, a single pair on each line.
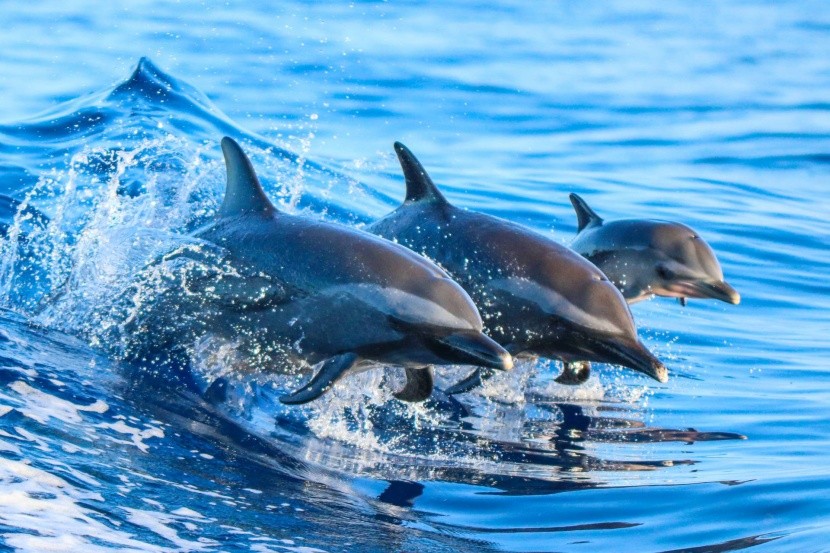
715, 114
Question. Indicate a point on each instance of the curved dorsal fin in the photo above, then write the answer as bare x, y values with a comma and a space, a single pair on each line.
419, 187
243, 193
586, 218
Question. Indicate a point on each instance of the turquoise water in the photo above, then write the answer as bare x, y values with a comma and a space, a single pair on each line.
715, 114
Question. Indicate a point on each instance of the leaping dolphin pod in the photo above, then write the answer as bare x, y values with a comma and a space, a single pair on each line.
536, 296
302, 290
645, 257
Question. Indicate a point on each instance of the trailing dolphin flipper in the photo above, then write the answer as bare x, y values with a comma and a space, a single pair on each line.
330, 372
470, 382
418, 387
574, 373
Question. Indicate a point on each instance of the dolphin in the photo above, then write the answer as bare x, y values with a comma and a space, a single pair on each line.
536, 296
646, 257
290, 289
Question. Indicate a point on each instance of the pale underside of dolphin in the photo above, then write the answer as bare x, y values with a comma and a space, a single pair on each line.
292, 290
536, 296
645, 257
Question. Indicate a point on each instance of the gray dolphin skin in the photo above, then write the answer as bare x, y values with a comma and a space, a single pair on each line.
648, 257
304, 291
537, 297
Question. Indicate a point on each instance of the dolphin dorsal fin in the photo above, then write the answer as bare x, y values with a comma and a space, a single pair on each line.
586, 218
243, 193
419, 187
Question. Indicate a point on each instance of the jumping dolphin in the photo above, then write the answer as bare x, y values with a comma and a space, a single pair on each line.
646, 257
537, 297
295, 289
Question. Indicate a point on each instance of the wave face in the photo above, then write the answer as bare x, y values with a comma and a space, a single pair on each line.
713, 117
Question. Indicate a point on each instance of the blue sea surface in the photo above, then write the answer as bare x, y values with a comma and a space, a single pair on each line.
715, 114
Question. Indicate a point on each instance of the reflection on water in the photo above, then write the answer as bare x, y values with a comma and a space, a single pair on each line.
552, 455
731, 545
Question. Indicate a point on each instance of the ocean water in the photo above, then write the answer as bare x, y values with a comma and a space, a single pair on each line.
713, 114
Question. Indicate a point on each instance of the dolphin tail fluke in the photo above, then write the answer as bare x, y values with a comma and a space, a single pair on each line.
574, 373
243, 193
331, 371
472, 381
418, 385
586, 217
419, 186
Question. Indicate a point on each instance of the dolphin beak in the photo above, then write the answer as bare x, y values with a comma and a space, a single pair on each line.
635, 355
716, 290
474, 348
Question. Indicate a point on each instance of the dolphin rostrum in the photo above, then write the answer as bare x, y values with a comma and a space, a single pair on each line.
293, 289
645, 257
537, 297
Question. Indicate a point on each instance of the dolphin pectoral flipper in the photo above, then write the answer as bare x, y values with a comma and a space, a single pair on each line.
418, 387
470, 382
331, 371
574, 373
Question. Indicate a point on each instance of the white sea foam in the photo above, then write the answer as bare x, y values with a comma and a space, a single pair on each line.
162, 524
48, 514
137, 435
41, 406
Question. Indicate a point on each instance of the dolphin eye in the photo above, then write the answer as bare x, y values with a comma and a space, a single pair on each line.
664, 272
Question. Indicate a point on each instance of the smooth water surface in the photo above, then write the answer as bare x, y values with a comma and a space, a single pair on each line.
714, 114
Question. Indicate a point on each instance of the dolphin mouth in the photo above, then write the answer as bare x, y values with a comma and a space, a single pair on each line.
473, 348
636, 356
708, 289
719, 290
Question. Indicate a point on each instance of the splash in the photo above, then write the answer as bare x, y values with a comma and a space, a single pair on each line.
109, 213
126, 178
